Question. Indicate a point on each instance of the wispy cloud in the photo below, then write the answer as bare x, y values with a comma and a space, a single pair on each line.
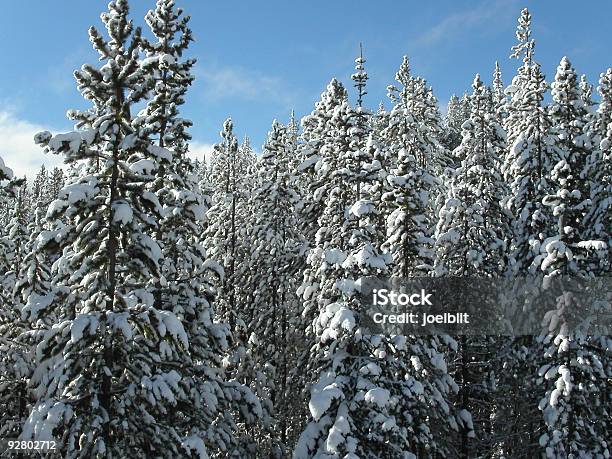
460, 22
220, 82
60, 76
17, 146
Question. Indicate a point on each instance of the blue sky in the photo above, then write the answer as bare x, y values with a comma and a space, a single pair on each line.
258, 60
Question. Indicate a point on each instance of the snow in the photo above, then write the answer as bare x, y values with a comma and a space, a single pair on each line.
148, 61
348, 286
361, 208
44, 418
119, 321
150, 247
322, 398
35, 304
79, 192
162, 387
378, 396
334, 256
308, 163
195, 444
143, 167
169, 323
160, 152
466, 419
122, 212
42, 138
371, 369
366, 257
343, 318
80, 324
166, 60
216, 267
199, 211
73, 140
153, 199
592, 245
339, 430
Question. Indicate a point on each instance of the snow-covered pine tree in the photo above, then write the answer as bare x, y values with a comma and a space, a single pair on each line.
576, 361
226, 241
17, 235
499, 96
221, 237
94, 409
274, 263
526, 167
358, 404
417, 101
357, 155
320, 160
364, 158
334, 171
410, 182
14, 361
187, 281
56, 183
378, 121
7, 191
530, 157
324, 143
106, 381
293, 130
40, 190
409, 242
457, 113
470, 242
598, 222
451, 137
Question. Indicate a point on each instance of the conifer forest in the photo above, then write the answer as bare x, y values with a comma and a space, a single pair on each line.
156, 306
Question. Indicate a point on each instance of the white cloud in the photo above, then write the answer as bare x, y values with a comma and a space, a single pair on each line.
17, 146
24, 157
234, 82
199, 151
457, 23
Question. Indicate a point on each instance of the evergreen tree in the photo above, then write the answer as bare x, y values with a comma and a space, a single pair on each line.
358, 406
410, 182
274, 261
231, 184
7, 189
498, 89
107, 383
576, 362
14, 362
456, 114
186, 284
56, 183
471, 232
40, 190
526, 167
470, 241
319, 155
228, 246
598, 222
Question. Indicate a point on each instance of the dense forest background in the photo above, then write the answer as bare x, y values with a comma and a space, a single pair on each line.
155, 306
